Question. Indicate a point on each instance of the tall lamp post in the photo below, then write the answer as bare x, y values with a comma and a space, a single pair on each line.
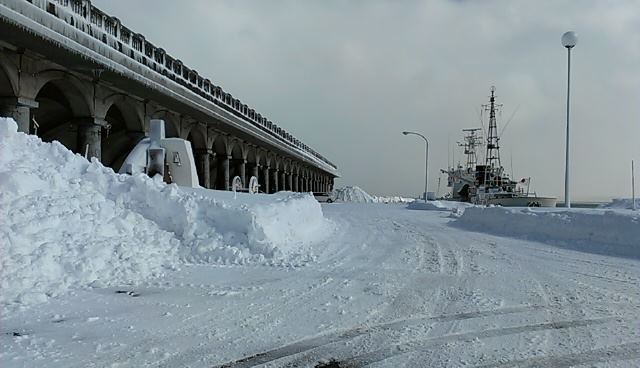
426, 168
569, 40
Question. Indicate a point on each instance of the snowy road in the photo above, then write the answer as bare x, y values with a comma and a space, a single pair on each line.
394, 287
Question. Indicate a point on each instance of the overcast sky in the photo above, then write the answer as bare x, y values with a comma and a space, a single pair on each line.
347, 77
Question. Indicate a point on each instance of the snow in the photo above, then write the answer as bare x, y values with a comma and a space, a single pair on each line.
355, 194
392, 287
70, 223
212, 278
623, 203
603, 231
352, 194
438, 205
393, 199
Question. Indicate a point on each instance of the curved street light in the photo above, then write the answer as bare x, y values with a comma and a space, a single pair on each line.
569, 40
426, 169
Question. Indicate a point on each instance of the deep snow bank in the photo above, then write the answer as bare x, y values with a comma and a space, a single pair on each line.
59, 231
353, 194
623, 203
68, 223
600, 231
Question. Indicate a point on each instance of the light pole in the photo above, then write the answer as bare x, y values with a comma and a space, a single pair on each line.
569, 40
426, 160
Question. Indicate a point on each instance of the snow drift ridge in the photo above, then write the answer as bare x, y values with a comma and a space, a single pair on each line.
609, 232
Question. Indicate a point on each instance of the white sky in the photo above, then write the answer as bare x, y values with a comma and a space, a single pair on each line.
348, 76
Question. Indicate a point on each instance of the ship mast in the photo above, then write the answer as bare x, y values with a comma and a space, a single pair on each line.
471, 141
492, 158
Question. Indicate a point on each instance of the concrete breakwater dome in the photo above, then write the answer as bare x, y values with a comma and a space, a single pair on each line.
71, 73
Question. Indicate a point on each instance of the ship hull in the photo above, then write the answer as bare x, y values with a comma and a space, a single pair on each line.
523, 201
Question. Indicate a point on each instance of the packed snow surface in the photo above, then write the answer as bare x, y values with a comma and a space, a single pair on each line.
391, 288
67, 222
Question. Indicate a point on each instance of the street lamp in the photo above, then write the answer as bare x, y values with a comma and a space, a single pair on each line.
426, 168
569, 40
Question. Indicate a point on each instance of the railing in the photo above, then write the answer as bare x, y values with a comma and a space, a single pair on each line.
92, 21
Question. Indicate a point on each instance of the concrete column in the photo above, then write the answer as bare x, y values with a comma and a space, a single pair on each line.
294, 181
283, 181
266, 179
256, 171
243, 173
89, 135
19, 109
290, 182
227, 179
203, 163
276, 188
213, 170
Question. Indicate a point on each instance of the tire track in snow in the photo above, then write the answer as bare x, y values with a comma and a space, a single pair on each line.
609, 354
327, 339
426, 345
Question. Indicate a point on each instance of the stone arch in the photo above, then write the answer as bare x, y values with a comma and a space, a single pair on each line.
237, 149
197, 136
220, 157
129, 107
77, 91
237, 167
252, 154
288, 174
255, 165
62, 109
269, 160
123, 133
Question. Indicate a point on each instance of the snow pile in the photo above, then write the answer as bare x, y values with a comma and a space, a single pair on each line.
393, 199
623, 203
220, 227
67, 223
353, 194
600, 231
59, 231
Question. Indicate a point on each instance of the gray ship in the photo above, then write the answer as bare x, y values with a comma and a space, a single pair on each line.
488, 183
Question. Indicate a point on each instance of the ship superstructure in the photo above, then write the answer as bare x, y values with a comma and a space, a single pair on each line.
489, 184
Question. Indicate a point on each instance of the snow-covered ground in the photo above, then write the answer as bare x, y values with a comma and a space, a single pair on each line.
364, 284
